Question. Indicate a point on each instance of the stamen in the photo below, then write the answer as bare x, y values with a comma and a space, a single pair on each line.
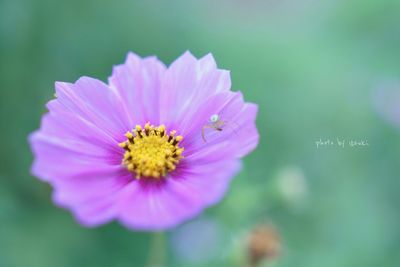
151, 152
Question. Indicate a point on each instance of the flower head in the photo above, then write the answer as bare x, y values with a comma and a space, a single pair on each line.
151, 148
264, 243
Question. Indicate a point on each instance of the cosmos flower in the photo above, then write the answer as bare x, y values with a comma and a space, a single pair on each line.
150, 149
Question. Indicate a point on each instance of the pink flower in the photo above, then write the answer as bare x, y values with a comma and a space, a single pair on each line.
151, 149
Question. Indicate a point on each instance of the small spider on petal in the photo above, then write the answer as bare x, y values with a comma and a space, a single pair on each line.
215, 123
133, 149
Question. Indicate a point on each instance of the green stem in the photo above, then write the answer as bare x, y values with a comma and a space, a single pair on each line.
157, 251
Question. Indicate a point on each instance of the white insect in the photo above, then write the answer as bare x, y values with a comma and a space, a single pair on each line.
215, 123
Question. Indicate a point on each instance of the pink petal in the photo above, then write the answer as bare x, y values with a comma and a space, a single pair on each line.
93, 101
92, 197
239, 134
186, 84
138, 83
160, 205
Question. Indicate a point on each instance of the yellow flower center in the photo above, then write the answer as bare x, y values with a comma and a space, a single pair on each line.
151, 152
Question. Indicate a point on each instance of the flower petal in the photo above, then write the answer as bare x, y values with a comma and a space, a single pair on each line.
237, 136
186, 84
92, 197
138, 83
161, 205
93, 101
56, 159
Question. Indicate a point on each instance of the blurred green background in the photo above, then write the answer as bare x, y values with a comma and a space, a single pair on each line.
317, 69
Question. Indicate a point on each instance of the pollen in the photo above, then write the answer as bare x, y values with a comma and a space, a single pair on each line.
151, 152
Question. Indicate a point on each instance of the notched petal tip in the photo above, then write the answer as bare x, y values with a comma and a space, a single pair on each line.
32, 136
131, 57
253, 107
187, 53
89, 81
208, 62
61, 87
58, 85
241, 98
186, 58
135, 63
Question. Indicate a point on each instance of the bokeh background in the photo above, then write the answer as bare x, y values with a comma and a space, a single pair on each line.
323, 69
